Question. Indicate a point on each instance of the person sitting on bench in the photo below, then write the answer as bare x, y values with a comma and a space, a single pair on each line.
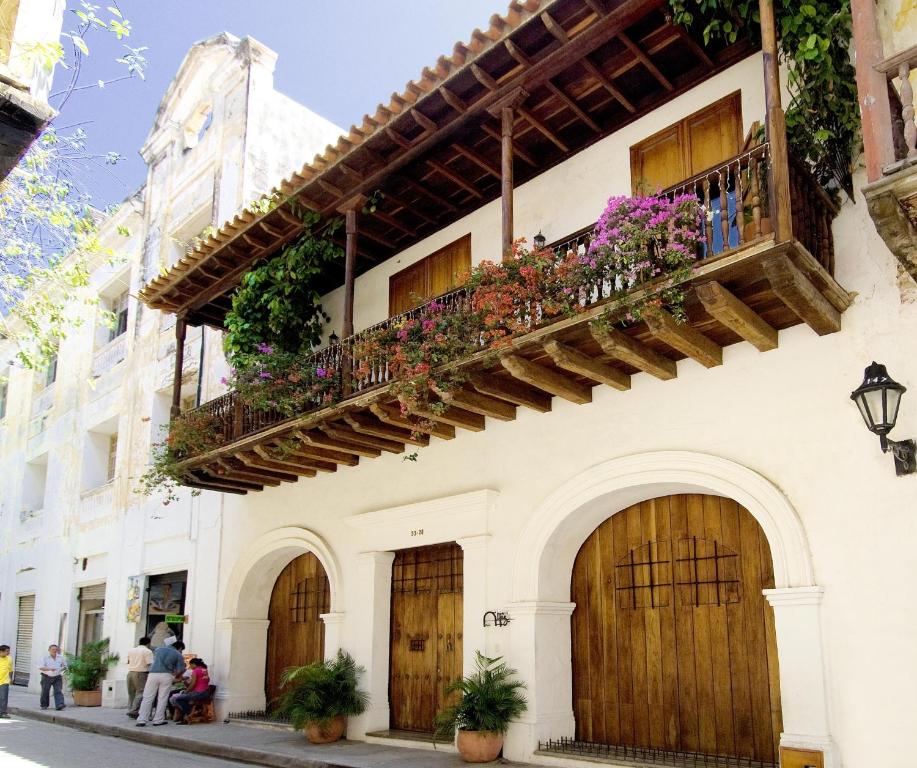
198, 689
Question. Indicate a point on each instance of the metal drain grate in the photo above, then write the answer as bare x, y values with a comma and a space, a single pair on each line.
646, 755
259, 716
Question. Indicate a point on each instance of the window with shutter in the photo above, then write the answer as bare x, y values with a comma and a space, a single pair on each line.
438, 273
690, 146
119, 310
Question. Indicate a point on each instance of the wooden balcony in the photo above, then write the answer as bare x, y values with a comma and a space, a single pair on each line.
744, 286
892, 199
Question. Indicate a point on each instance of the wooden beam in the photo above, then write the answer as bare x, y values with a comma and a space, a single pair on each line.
280, 457
452, 100
412, 209
217, 486
646, 61
394, 417
576, 362
423, 121
224, 482
478, 403
342, 432
257, 463
397, 138
542, 128
426, 191
476, 158
795, 290
736, 315
546, 379
554, 28
683, 337
596, 6
368, 425
177, 371
264, 477
606, 83
323, 454
321, 440
484, 78
369, 234
573, 106
512, 391
457, 417
393, 222
517, 151
350, 260
634, 352
441, 169
696, 49
517, 53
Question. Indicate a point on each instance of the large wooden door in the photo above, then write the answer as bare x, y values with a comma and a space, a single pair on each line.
296, 633
426, 638
673, 642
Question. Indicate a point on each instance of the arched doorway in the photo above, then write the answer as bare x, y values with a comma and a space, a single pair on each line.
296, 631
673, 643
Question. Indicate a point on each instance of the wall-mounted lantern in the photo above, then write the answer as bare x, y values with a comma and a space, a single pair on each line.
333, 339
878, 399
539, 241
496, 619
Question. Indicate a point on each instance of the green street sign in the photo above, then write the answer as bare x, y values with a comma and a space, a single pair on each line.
174, 618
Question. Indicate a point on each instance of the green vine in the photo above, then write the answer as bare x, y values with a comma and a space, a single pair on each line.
822, 117
278, 301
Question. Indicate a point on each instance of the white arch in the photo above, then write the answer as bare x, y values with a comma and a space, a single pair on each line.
557, 529
252, 579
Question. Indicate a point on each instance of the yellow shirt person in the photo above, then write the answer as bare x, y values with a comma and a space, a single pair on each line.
6, 670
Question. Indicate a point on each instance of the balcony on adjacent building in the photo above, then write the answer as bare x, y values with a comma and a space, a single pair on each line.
892, 191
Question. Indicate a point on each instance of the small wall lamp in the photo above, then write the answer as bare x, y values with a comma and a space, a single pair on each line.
878, 399
539, 241
333, 339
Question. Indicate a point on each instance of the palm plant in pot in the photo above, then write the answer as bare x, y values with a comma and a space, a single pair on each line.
490, 701
320, 696
86, 670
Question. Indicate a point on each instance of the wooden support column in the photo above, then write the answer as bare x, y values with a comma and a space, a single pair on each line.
779, 188
872, 89
505, 110
349, 209
180, 331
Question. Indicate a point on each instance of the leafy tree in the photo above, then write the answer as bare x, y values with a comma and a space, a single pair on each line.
49, 231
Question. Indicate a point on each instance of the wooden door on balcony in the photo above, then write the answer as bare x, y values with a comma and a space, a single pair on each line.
688, 147
296, 633
426, 635
673, 642
438, 273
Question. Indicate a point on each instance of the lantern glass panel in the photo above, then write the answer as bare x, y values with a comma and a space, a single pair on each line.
875, 402
864, 412
893, 401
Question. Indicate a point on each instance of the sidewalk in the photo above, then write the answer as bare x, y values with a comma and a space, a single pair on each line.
275, 747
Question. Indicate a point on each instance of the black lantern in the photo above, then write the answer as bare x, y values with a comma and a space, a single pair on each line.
539, 241
878, 399
333, 339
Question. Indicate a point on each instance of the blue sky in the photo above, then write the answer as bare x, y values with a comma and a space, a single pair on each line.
339, 59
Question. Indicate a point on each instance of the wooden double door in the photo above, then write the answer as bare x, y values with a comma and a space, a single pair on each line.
296, 632
426, 633
673, 643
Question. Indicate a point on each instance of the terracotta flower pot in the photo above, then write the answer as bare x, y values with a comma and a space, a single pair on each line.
332, 732
479, 746
87, 698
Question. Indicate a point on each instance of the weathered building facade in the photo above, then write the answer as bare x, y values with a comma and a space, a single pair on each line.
691, 541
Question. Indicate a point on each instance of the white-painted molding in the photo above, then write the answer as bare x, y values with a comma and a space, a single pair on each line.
794, 596
541, 608
464, 517
565, 519
263, 561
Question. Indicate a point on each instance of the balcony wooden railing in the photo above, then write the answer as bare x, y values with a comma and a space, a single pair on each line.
897, 70
734, 197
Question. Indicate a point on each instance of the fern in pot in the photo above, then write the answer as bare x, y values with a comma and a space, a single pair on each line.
319, 697
86, 670
490, 700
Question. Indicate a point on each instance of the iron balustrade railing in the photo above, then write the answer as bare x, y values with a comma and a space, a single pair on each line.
735, 211
109, 356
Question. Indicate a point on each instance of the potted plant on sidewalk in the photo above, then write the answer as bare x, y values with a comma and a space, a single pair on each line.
490, 701
320, 696
86, 670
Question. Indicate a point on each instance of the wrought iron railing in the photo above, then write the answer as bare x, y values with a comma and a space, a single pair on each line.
733, 196
109, 356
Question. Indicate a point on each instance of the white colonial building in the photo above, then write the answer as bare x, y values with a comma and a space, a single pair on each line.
681, 534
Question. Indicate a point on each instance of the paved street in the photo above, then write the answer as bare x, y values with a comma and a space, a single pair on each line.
32, 744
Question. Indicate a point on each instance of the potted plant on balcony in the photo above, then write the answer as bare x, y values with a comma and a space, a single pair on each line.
319, 697
490, 701
86, 670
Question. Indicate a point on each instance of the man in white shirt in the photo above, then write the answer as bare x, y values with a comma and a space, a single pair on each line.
138, 666
51, 668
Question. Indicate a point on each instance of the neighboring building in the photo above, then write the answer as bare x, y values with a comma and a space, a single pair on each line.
681, 535
75, 538
25, 27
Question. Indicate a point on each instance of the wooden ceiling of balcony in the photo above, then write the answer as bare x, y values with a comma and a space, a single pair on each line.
588, 67
748, 295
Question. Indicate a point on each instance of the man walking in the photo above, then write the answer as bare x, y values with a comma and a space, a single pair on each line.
51, 668
6, 671
138, 665
167, 665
